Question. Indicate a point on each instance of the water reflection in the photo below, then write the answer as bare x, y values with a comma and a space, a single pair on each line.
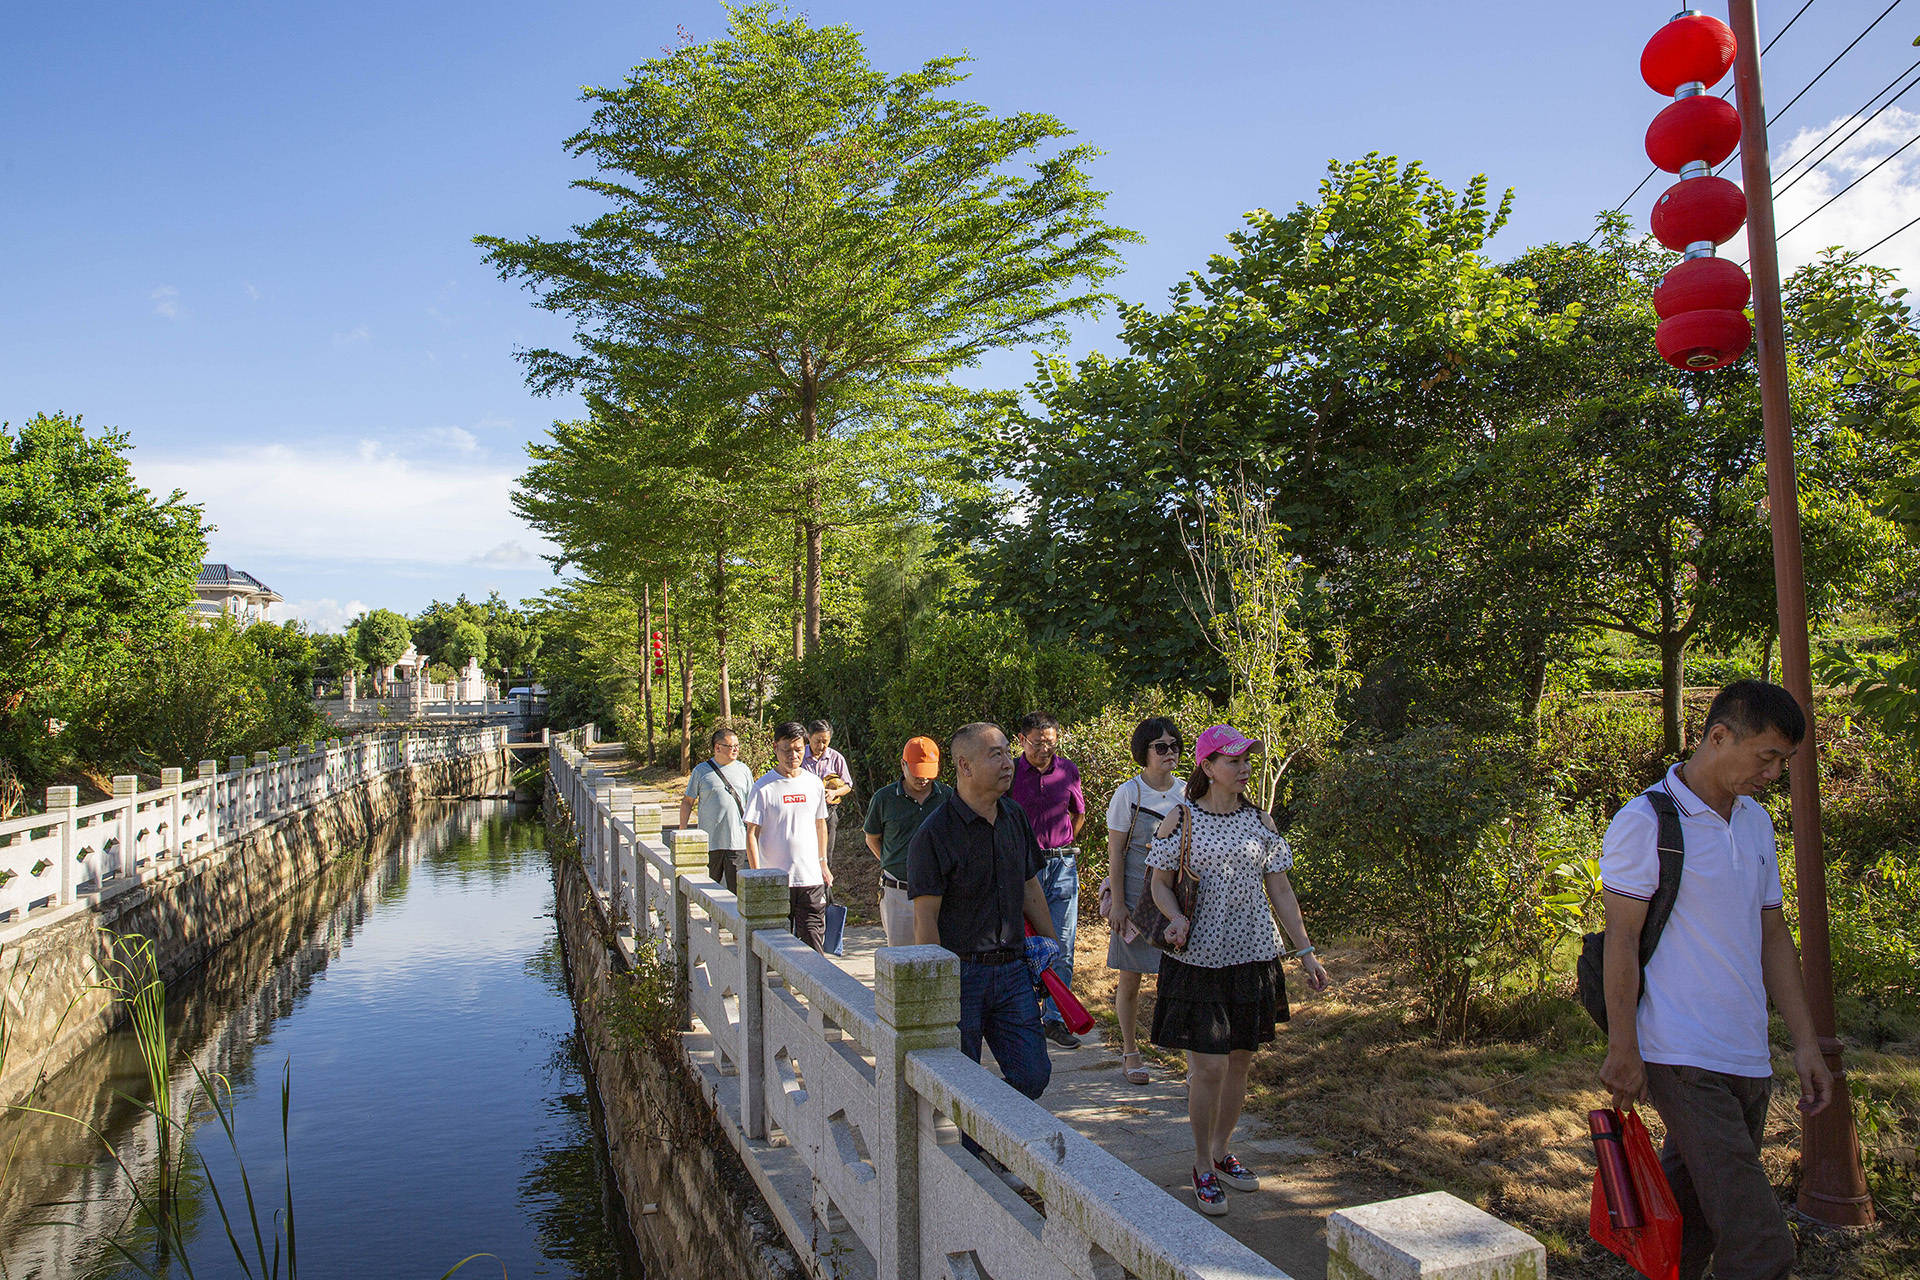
439, 1108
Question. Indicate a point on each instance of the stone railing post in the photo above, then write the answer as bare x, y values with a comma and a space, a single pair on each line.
763, 905
646, 828
67, 799
916, 1002
689, 850
125, 787
1435, 1234
237, 806
260, 789
619, 806
175, 845
209, 773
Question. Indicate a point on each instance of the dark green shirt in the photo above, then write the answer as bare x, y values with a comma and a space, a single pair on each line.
894, 816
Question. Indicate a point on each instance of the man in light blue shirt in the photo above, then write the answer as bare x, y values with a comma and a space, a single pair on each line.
719, 785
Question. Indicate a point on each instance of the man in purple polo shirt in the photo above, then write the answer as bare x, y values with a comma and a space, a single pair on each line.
1046, 785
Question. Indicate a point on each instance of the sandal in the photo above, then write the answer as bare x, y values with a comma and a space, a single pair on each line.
1133, 1067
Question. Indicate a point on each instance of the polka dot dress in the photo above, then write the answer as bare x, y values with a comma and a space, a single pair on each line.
1232, 856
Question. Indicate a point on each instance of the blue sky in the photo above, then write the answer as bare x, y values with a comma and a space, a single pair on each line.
242, 233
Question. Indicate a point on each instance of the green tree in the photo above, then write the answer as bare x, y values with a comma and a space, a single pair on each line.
333, 656
91, 566
816, 244
380, 638
1334, 358
290, 647
466, 642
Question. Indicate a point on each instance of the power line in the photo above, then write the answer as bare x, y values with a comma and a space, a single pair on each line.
1854, 120
1882, 240
1830, 66
1779, 190
1883, 161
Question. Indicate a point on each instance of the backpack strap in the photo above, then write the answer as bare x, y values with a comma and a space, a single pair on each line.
1673, 856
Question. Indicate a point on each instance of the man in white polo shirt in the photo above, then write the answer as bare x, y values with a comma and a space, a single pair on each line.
1696, 1041
786, 824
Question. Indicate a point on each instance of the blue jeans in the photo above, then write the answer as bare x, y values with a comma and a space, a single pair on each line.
1060, 881
997, 1004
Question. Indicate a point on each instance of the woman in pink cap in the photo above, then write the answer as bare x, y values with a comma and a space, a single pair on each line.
1222, 997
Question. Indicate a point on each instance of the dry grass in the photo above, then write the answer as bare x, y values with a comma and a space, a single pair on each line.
1498, 1122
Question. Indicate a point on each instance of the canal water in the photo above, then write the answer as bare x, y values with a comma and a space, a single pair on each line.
414, 1002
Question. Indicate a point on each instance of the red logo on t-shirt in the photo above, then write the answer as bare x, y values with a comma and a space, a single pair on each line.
793, 799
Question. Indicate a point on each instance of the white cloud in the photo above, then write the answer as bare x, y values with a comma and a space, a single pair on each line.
360, 501
457, 439
252, 293
508, 555
353, 337
166, 302
1879, 205
326, 614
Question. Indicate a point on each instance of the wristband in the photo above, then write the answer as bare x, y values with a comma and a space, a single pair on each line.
1304, 951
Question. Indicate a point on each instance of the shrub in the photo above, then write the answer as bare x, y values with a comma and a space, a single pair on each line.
1405, 826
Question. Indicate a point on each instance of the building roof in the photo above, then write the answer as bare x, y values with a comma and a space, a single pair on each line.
220, 577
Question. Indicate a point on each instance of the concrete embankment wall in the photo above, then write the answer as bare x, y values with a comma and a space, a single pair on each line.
56, 1004
695, 1210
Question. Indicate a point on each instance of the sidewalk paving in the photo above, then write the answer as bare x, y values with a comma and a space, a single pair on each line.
1146, 1126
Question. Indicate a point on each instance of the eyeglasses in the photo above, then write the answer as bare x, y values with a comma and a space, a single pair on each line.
1165, 748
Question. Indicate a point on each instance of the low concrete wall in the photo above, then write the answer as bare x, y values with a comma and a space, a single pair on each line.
694, 1209
55, 1004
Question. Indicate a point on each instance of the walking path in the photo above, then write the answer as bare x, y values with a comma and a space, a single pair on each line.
1146, 1125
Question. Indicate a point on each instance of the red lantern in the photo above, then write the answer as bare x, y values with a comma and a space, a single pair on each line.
1702, 340
1702, 128
1692, 47
1698, 210
1701, 284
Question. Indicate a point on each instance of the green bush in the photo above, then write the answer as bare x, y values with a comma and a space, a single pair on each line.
1406, 828
201, 693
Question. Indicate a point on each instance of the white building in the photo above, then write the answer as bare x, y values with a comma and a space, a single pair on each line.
221, 588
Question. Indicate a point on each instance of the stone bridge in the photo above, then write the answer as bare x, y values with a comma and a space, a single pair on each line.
841, 1088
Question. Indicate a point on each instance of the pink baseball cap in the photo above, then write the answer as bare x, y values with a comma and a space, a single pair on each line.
1224, 739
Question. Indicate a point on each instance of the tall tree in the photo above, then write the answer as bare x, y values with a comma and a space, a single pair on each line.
821, 243
380, 639
92, 566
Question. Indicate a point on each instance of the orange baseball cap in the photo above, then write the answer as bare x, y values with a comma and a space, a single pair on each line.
921, 756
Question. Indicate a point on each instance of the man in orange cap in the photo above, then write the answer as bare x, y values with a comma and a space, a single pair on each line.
893, 815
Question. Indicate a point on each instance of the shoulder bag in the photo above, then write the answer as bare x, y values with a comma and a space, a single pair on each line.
1186, 891
1591, 969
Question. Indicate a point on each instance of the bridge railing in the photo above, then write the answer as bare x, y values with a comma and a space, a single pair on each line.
846, 1103
74, 852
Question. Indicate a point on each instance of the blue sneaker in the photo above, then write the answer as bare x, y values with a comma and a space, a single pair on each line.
1211, 1195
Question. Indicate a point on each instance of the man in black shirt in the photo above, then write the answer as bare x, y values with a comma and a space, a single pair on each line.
971, 871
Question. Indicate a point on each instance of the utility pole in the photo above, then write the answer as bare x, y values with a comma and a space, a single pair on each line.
646, 659
1833, 1187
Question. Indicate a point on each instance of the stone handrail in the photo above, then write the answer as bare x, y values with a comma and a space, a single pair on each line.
75, 852
868, 1086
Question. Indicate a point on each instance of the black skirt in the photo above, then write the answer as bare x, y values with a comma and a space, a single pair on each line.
1217, 1010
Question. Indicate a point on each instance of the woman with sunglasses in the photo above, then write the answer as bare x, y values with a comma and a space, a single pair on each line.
1222, 997
1137, 807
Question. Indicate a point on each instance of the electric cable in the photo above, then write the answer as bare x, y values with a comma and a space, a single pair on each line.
1779, 190
1882, 240
1830, 66
1855, 120
1883, 161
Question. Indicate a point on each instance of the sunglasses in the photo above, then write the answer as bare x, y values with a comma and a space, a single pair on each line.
1165, 748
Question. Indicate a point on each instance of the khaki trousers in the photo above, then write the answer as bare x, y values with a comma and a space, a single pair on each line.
896, 915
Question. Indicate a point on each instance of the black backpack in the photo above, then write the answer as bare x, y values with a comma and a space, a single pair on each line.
1591, 970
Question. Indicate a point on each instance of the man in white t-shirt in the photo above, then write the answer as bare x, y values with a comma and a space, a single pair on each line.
787, 828
1696, 1041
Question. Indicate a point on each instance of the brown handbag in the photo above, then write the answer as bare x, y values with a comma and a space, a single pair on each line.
1147, 917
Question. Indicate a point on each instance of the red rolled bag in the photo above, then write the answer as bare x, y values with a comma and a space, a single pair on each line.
1633, 1211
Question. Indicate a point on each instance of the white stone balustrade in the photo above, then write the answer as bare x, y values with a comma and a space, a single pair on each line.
846, 1102
75, 852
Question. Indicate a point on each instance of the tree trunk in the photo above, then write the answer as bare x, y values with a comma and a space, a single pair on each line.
666, 658
1766, 652
1673, 669
1536, 694
815, 530
686, 704
720, 635
646, 660
799, 611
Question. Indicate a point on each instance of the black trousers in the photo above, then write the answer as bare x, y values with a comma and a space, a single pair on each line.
807, 914
723, 867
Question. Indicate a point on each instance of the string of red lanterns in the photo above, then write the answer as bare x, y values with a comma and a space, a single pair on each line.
1701, 301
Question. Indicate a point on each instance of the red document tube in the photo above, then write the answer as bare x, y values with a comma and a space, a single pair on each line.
1616, 1183
1072, 1012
